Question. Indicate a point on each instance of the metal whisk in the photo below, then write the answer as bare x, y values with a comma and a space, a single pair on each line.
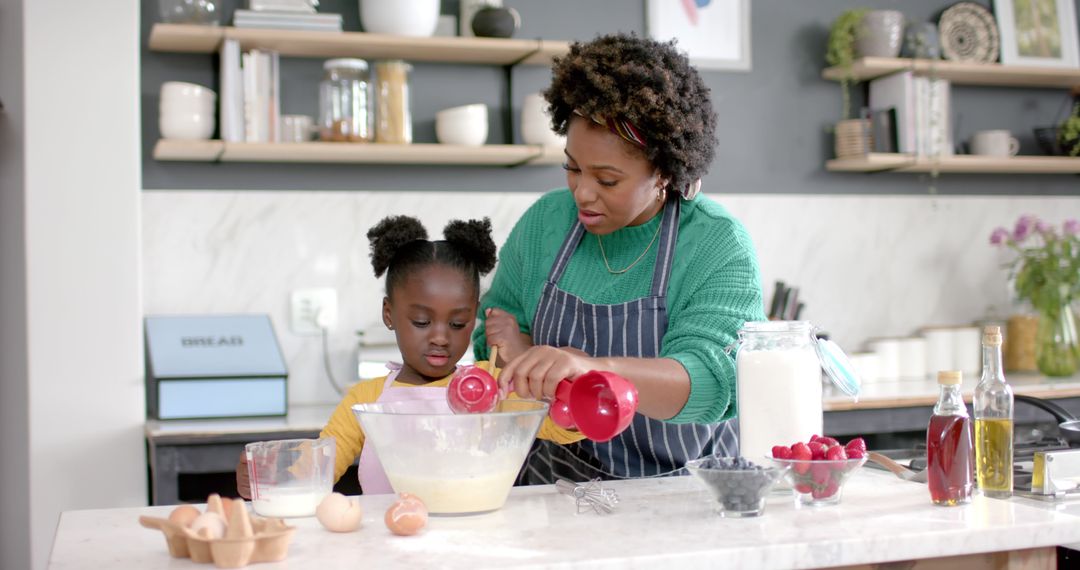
589, 495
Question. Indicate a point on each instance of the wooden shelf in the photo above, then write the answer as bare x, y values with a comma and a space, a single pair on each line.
357, 153
961, 164
962, 73
205, 39
188, 151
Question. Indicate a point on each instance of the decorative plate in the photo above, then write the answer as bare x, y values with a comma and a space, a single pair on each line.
969, 33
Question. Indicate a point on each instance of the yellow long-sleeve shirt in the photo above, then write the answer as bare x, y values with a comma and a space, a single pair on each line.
344, 427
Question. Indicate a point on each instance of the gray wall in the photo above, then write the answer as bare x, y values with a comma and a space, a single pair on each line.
14, 389
774, 119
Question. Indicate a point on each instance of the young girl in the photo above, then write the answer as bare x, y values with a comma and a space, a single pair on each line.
432, 295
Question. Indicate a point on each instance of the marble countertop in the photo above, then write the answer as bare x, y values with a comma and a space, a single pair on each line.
881, 518
904, 393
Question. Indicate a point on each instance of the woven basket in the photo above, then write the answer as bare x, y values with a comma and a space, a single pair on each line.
853, 138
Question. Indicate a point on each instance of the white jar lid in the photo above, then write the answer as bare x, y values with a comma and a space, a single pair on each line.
347, 63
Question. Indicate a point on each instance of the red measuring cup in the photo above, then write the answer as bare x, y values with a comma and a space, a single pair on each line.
599, 404
472, 390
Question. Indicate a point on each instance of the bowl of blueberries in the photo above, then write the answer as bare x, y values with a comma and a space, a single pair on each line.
739, 485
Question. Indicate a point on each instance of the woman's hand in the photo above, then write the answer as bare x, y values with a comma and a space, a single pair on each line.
502, 330
537, 372
243, 482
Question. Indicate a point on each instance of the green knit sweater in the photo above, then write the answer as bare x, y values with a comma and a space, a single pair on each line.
715, 286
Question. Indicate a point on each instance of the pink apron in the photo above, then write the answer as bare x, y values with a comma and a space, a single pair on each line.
373, 479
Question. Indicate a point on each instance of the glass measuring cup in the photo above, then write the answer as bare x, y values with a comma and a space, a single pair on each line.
289, 478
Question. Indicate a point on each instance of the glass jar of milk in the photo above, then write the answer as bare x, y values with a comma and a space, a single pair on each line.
778, 370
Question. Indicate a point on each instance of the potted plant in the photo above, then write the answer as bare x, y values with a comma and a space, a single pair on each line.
1069, 132
852, 135
1046, 272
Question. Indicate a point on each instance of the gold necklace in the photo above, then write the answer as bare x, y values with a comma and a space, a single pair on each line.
639, 258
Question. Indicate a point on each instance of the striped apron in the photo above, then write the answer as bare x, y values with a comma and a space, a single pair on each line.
648, 448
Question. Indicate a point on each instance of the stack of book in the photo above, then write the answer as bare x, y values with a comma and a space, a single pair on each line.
287, 20
918, 109
250, 94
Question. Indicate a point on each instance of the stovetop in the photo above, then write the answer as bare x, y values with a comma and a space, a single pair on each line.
1023, 461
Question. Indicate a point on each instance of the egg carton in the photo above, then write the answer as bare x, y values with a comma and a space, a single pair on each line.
247, 540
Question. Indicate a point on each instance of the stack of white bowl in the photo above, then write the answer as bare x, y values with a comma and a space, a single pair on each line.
186, 111
466, 125
536, 123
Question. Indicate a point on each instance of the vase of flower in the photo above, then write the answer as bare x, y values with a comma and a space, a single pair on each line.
1057, 347
1046, 272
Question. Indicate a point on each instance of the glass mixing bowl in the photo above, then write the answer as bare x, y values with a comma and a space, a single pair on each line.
456, 463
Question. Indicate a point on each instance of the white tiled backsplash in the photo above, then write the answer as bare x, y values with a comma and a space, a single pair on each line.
867, 266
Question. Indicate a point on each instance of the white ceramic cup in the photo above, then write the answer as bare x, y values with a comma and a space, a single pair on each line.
186, 126
536, 123
295, 129
416, 18
994, 143
466, 125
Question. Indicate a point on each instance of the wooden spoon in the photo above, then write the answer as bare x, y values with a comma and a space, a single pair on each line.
897, 469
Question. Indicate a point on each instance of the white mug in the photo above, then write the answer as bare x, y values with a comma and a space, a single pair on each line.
536, 123
994, 143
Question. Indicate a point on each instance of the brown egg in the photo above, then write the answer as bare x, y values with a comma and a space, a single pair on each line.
183, 515
339, 513
406, 516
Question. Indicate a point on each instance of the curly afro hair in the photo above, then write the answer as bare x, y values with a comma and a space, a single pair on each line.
649, 83
399, 246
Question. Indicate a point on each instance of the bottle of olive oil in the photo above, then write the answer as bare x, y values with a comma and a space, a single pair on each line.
993, 406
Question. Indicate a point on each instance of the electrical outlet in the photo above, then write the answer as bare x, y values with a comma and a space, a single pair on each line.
313, 309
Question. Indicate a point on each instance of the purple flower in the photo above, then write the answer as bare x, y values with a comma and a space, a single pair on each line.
1071, 227
1043, 227
999, 236
1023, 227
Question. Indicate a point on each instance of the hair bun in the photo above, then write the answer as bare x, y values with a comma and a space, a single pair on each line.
473, 239
389, 235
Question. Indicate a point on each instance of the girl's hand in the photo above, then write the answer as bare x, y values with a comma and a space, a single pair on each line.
243, 482
537, 372
502, 330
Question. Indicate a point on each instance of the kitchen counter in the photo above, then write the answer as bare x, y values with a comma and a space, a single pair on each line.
905, 393
658, 521
899, 406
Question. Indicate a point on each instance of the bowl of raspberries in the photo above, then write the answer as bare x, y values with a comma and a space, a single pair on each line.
817, 469
739, 485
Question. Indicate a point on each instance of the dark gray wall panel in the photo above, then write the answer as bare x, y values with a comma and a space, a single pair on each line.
774, 119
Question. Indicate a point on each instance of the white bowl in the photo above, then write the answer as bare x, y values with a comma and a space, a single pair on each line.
416, 18
183, 92
186, 126
466, 125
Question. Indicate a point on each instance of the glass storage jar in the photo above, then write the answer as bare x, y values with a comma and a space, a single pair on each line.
394, 118
778, 375
345, 110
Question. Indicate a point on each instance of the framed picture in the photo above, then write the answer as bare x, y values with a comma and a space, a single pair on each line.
715, 33
1038, 32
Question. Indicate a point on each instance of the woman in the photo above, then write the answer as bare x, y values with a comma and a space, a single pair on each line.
629, 269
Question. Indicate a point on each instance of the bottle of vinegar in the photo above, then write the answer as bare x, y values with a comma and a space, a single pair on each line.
949, 455
993, 406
